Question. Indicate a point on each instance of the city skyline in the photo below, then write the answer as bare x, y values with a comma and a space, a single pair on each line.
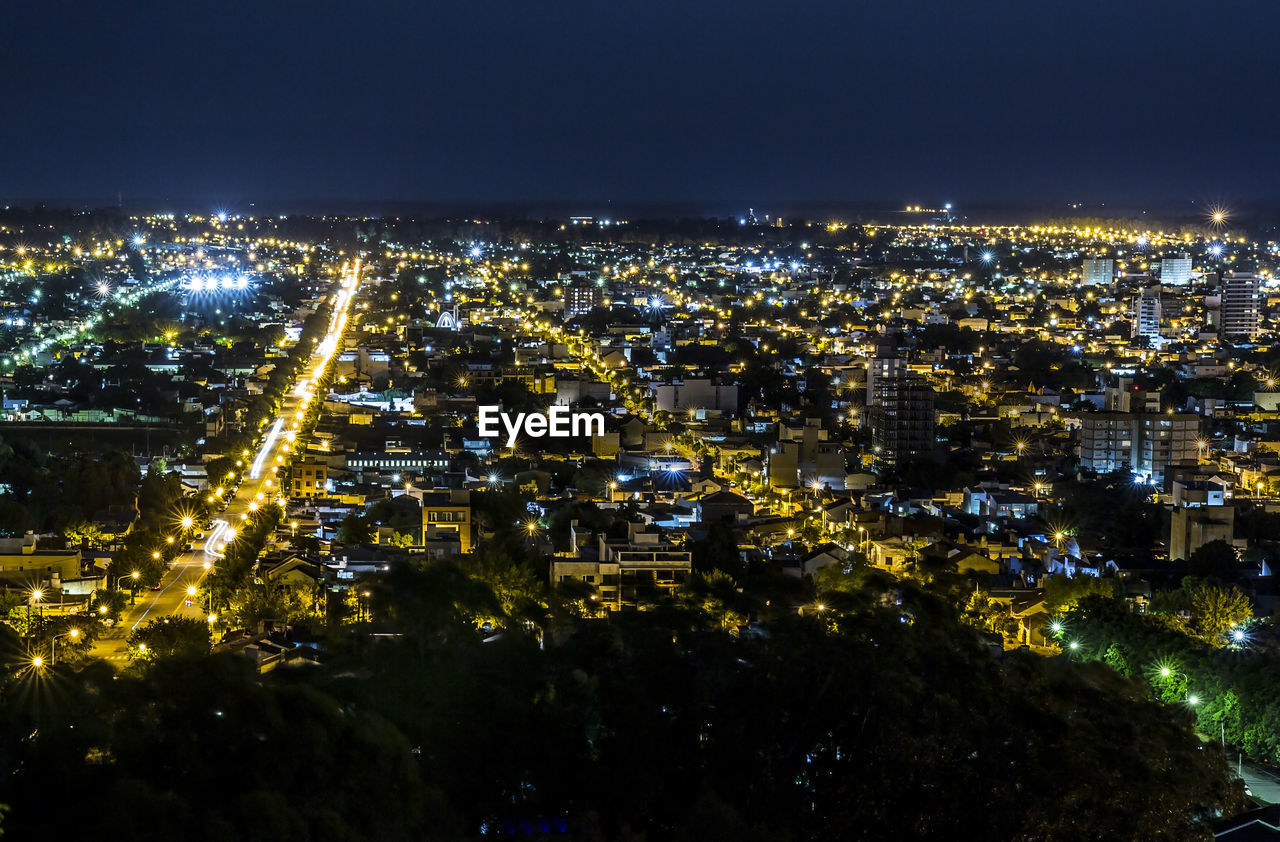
672, 420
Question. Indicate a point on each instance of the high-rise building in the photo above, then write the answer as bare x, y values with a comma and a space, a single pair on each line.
1175, 271
882, 368
581, 298
1144, 442
1098, 270
1146, 313
902, 419
1240, 305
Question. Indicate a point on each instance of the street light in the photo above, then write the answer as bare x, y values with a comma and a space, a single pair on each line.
36, 595
134, 589
1167, 672
74, 634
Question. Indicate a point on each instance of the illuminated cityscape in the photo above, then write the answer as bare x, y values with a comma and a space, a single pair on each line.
359, 495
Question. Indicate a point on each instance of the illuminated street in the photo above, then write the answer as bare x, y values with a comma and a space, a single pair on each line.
258, 489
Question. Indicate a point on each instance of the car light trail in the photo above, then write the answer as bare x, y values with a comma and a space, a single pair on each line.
215, 536
255, 470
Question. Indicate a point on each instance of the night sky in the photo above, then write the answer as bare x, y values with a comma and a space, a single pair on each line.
654, 101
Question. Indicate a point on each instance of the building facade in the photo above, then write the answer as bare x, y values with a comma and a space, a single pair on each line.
627, 574
581, 298
1097, 271
1240, 305
446, 515
309, 477
1147, 311
1175, 271
1145, 443
902, 418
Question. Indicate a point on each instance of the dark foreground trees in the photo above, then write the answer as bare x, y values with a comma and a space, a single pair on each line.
871, 720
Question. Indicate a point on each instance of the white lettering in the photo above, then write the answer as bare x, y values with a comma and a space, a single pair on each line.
488, 421
592, 424
513, 430
558, 422
559, 418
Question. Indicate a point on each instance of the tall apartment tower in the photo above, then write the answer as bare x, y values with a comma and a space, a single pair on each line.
581, 297
1240, 305
1131, 432
1175, 271
1147, 443
880, 369
1146, 313
902, 421
1097, 270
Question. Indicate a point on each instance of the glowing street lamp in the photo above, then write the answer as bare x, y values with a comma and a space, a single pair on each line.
134, 576
74, 634
36, 596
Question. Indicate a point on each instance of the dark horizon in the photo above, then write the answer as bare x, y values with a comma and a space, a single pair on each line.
1258, 217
